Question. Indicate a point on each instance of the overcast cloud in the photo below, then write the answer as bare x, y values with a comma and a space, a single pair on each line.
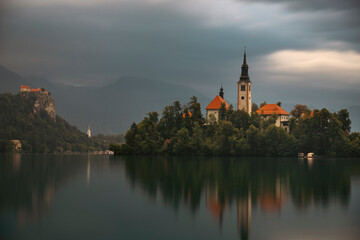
196, 43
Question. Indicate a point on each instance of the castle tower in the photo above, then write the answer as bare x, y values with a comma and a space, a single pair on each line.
89, 132
244, 88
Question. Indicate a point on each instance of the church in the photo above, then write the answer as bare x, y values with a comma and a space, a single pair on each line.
244, 101
243, 96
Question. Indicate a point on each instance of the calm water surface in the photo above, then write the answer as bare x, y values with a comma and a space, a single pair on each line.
106, 197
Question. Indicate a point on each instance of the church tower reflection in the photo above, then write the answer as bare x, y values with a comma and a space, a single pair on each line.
244, 216
88, 172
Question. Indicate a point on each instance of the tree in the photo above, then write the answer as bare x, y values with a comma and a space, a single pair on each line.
222, 112
187, 122
130, 135
240, 119
265, 123
223, 135
263, 104
182, 142
178, 115
344, 118
255, 140
278, 103
196, 142
298, 110
255, 107
5, 146
195, 109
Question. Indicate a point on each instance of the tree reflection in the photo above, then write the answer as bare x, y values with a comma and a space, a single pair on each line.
28, 183
266, 184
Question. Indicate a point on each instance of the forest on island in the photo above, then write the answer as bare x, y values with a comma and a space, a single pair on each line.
39, 133
182, 130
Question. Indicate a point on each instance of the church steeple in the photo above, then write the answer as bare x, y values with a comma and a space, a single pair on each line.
244, 88
221, 93
244, 69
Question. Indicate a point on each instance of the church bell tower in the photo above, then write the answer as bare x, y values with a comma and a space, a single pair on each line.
244, 88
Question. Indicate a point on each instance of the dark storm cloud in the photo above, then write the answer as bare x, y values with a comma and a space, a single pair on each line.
316, 5
337, 19
74, 44
85, 44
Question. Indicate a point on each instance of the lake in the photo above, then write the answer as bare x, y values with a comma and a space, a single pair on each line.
107, 197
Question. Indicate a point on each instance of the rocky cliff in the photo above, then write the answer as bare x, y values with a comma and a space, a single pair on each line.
42, 101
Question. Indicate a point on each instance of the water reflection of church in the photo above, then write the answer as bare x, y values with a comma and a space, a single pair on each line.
269, 201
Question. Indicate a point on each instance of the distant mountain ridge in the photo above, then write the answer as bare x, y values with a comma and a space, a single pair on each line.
30, 117
111, 108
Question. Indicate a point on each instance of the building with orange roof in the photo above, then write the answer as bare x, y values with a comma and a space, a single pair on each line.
24, 88
189, 113
36, 90
213, 203
215, 105
271, 109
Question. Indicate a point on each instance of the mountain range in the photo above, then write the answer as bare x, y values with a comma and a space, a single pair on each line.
111, 108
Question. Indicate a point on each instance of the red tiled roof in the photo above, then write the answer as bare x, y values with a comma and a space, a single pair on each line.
216, 103
184, 115
270, 203
22, 86
270, 109
36, 90
308, 115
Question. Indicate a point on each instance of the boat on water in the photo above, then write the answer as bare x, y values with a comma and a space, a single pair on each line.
308, 155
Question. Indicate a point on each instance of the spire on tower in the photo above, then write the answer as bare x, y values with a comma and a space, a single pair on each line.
244, 69
244, 55
221, 93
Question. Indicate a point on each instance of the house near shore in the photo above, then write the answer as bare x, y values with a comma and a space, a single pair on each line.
282, 116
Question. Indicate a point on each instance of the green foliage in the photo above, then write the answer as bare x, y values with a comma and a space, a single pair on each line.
299, 110
344, 117
38, 132
5, 146
222, 112
182, 142
255, 107
181, 131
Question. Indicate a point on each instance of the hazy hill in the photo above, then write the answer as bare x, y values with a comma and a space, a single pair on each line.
111, 108
22, 118
9, 81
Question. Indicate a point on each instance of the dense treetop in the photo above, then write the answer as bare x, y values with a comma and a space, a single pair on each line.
39, 133
182, 130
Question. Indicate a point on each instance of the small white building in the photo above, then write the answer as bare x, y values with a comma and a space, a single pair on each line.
270, 109
88, 132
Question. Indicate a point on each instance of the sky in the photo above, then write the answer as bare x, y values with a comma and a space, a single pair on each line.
298, 51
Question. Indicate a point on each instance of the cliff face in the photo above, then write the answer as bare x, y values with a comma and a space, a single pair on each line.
42, 101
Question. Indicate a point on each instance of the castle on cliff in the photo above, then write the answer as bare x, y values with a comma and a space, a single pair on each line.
41, 98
